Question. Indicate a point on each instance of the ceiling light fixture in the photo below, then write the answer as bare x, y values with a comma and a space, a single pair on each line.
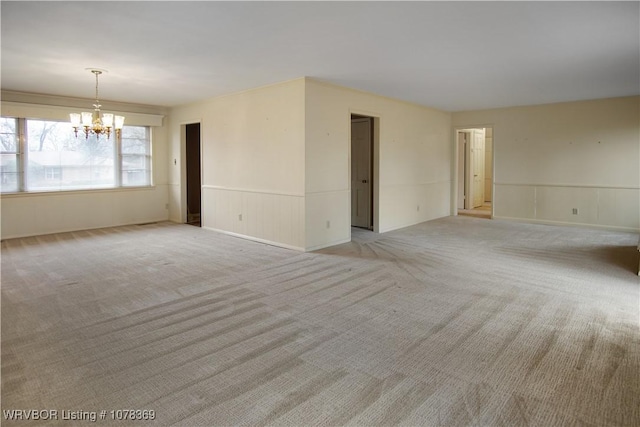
96, 122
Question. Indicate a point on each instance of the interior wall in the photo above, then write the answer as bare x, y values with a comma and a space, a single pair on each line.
552, 159
30, 214
252, 163
413, 162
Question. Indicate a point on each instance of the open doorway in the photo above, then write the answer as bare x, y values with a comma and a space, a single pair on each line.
194, 186
362, 152
475, 172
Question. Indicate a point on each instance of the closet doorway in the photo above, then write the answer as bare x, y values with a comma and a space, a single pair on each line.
194, 186
475, 172
362, 129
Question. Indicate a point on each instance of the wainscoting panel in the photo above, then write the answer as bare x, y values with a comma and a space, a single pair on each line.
405, 205
510, 201
328, 218
619, 206
567, 204
272, 218
616, 208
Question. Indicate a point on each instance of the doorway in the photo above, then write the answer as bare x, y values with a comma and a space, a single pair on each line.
194, 186
475, 172
362, 148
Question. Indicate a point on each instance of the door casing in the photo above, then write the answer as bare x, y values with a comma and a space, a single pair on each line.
361, 172
460, 169
377, 123
475, 179
193, 166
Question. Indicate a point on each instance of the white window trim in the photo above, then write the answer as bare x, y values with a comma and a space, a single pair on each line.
49, 112
23, 159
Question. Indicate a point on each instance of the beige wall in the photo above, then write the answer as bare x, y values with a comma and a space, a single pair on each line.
29, 214
252, 163
279, 156
414, 158
550, 159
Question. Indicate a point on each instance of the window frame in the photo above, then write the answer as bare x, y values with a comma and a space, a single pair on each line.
22, 156
148, 158
19, 154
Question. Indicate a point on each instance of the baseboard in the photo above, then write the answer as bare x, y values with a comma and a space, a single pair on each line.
569, 224
410, 224
71, 230
255, 239
328, 245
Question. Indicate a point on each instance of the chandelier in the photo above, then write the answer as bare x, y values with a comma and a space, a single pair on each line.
96, 122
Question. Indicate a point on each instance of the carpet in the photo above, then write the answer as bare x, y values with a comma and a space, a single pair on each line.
452, 322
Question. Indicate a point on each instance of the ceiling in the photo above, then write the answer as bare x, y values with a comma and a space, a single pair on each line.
448, 55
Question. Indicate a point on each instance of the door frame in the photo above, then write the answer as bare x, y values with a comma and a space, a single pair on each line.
182, 159
375, 170
188, 165
455, 170
369, 156
470, 168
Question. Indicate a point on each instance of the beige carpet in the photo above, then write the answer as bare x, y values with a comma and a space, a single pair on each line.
483, 211
458, 321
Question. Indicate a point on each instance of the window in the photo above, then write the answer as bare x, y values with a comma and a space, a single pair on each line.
53, 173
57, 160
136, 156
10, 155
53, 159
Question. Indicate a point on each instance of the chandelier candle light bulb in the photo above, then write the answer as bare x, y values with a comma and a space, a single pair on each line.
95, 122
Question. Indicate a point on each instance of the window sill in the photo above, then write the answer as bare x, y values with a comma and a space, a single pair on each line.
78, 192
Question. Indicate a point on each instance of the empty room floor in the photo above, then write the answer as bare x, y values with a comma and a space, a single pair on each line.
457, 321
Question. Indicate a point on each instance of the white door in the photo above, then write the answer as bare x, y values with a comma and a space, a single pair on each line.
361, 172
477, 161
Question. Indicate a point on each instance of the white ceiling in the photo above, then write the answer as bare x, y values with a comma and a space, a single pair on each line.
448, 55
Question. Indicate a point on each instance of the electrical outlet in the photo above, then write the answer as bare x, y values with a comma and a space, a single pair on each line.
240, 217
575, 211
166, 205
328, 224
418, 208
